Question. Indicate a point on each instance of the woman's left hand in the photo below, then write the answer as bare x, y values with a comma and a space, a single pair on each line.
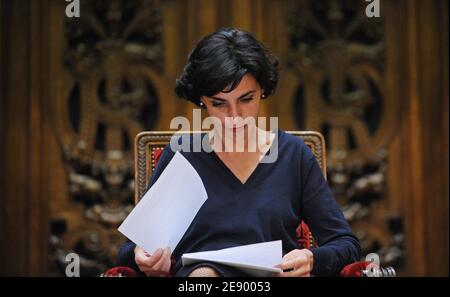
298, 262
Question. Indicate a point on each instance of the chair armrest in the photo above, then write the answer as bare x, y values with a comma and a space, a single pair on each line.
365, 269
354, 269
120, 271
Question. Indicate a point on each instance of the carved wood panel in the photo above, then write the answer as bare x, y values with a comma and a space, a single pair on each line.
337, 59
113, 59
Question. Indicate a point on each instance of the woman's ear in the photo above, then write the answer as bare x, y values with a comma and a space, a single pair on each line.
202, 103
263, 95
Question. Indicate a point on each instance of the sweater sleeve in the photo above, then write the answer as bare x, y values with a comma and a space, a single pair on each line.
125, 256
337, 244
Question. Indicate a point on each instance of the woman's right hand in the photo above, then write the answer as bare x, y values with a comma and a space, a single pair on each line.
157, 264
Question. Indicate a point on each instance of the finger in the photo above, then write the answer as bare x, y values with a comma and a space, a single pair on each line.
168, 265
145, 271
290, 256
164, 261
163, 271
294, 263
139, 257
304, 270
169, 257
290, 264
291, 273
158, 265
157, 253
306, 274
150, 261
150, 272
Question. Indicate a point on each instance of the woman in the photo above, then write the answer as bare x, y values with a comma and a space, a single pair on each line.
229, 72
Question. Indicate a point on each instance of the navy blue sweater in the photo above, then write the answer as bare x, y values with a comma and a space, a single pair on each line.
268, 206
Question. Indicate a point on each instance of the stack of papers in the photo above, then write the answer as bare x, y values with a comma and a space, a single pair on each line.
165, 212
257, 259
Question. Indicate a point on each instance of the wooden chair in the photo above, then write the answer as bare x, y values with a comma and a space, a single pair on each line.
150, 144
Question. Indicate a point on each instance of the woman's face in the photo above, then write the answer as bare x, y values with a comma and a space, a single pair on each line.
240, 104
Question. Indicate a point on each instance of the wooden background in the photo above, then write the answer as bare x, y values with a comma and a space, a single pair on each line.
48, 104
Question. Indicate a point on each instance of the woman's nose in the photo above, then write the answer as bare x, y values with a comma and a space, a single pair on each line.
235, 112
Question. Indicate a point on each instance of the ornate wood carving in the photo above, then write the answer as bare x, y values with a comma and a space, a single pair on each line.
109, 53
337, 55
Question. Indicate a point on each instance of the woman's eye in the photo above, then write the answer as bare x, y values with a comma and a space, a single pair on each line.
217, 104
248, 99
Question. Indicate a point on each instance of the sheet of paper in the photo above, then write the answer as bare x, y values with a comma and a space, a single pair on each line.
164, 214
257, 259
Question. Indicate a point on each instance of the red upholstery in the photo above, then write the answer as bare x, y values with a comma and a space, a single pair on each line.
157, 154
304, 238
120, 271
354, 269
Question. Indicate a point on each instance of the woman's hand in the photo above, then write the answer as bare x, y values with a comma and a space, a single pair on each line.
298, 263
157, 264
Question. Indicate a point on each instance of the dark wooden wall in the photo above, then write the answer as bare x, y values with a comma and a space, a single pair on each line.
33, 175
423, 141
24, 209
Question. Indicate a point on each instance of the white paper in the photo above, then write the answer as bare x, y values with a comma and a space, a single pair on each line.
164, 214
257, 259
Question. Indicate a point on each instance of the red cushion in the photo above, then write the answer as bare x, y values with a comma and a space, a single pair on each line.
120, 271
354, 269
303, 236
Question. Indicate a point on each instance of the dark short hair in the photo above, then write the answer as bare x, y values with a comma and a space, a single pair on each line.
220, 60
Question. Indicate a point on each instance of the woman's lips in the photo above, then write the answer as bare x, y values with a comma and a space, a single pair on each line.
236, 129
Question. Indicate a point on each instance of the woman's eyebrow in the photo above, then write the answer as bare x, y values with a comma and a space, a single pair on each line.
217, 98
240, 97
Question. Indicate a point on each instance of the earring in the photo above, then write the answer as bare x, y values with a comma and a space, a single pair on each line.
263, 96
202, 104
